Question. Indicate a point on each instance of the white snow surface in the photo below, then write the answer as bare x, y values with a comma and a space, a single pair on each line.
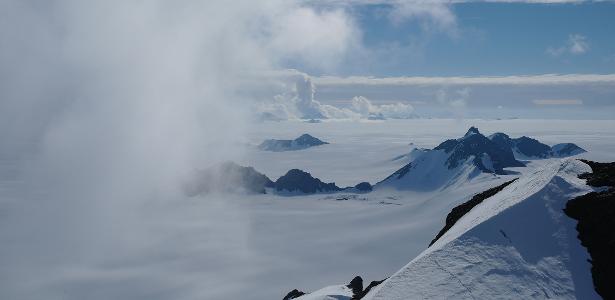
334, 292
428, 172
517, 244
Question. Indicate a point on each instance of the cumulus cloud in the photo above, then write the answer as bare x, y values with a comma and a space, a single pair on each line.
298, 102
366, 109
576, 44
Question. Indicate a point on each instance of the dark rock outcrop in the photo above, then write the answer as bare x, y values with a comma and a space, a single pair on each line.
363, 187
603, 174
293, 294
298, 180
595, 213
303, 142
227, 177
356, 285
462, 209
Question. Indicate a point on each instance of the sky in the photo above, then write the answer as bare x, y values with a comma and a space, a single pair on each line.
478, 38
410, 51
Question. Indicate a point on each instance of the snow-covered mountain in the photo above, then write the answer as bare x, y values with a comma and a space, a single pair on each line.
452, 161
519, 240
303, 142
517, 244
528, 148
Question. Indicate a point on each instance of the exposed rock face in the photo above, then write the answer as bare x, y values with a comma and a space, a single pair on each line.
602, 174
371, 285
303, 142
228, 177
298, 180
595, 213
462, 209
475, 144
356, 285
293, 294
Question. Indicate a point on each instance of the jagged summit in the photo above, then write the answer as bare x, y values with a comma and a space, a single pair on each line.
302, 142
471, 131
488, 156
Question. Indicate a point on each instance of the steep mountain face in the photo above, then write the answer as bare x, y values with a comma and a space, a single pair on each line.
297, 180
228, 177
526, 147
595, 213
452, 161
303, 142
477, 145
516, 244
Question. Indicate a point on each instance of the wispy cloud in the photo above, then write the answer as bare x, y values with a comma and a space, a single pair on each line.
576, 44
558, 102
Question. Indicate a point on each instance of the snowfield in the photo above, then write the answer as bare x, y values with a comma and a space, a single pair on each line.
224, 246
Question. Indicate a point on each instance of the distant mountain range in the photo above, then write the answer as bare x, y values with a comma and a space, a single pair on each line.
457, 160
303, 142
452, 162
231, 177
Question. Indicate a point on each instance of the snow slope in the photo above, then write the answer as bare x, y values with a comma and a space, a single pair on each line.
517, 244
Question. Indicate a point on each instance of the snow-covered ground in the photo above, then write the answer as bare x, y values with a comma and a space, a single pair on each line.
262, 246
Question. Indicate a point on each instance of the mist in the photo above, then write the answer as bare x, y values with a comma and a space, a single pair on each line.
105, 108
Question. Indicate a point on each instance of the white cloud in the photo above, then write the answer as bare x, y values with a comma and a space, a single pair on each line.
297, 102
318, 38
461, 80
432, 14
576, 44
366, 109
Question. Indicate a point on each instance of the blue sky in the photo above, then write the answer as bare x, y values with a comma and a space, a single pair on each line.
493, 39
